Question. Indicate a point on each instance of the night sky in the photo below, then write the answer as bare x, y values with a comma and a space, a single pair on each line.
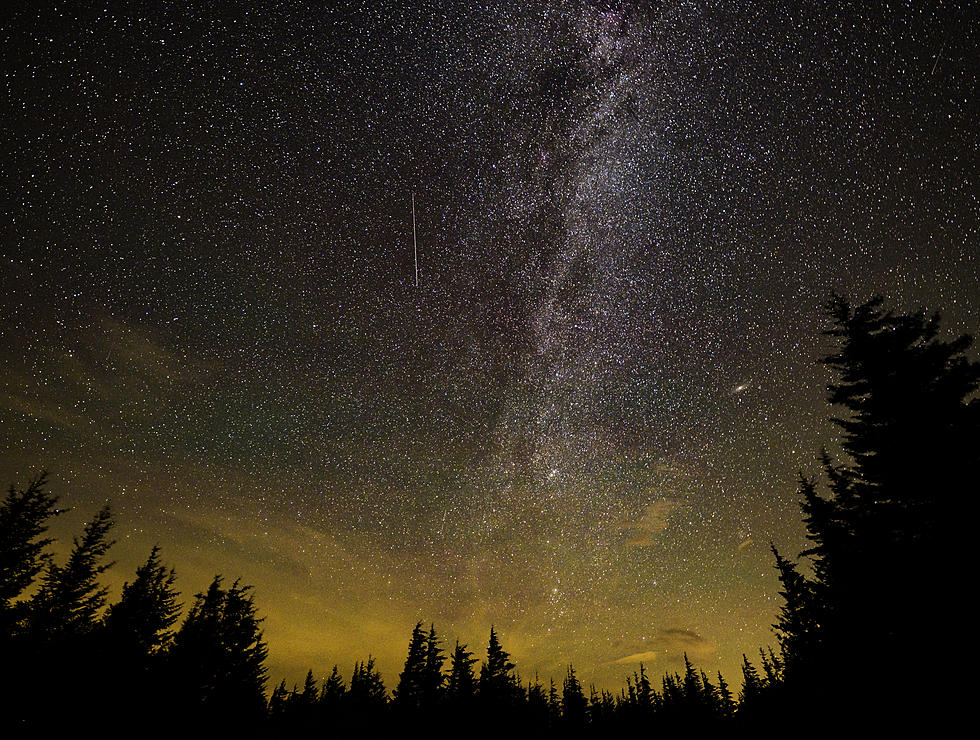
585, 424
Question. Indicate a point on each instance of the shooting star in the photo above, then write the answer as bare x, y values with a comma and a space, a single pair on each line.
415, 244
938, 54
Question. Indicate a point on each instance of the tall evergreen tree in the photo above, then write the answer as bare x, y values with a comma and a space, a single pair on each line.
133, 638
367, 696
882, 538
140, 622
496, 677
691, 688
70, 597
751, 691
573, 702
218, 655
537, 704
409, 691
332, 693
432, 677
462, 681
726, 700
278, 701
554, 703
644, 692
710, 696
311, 692
796, 627
24, 516
331, 711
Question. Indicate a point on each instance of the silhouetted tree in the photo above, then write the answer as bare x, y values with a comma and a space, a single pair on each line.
726, 701
573, 702
496, 679
711, 704
70, 597
333, 690
751, 685
24, 516
140, 622
554, 704
367, 697
462, 682
278, 702
408, 693
218, 656
692, 690
432, 677
881, 540
132, 640
644, 692
796, 626
537, 704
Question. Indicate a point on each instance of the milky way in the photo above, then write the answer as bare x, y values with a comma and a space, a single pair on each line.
586, 422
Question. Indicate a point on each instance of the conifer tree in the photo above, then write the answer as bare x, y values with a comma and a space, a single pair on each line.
139, 624
644, 692
710, 697
882, 538
796, 625
537, 704
432, 678
409, 691
496, 679
331, 710
691, 687
726, 700
70, 597
573, 701
751, 685
769, 669
332, 693
367, 696
462, 681
311, 692
218, 655
278, 700
24, 516
554, 704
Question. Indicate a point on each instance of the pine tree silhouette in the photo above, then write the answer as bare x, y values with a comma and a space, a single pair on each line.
133, 639
573, 702
24, 516
554, 704
70, 597
218, 657
330, 711
278, 703
408, 694
432, 677
367, 698
462, 681
140, 622
751, 685
496, 677
726, 700
882, 540
333, 690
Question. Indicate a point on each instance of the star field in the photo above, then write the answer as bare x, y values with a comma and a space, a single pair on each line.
585, 424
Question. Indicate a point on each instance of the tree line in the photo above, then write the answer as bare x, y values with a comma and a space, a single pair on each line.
858, 606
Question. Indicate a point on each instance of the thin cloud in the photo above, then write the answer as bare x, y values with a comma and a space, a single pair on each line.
670, 645
654, 520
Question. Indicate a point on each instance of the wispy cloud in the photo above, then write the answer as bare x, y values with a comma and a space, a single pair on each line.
670, 645
653, 520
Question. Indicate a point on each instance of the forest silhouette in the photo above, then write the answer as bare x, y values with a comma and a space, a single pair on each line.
859, 608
